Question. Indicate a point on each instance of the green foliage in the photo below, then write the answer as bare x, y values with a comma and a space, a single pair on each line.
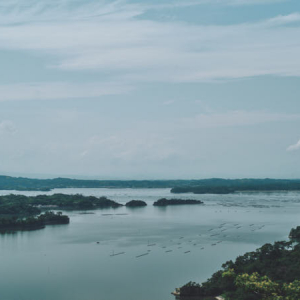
292, 290
17, 205
228, 274
270, 272
262, 287
191, 289
295, 233
259, 285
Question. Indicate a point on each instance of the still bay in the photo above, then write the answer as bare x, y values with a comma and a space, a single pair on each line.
139, 253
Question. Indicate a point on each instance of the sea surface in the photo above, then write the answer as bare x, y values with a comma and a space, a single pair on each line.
139, 253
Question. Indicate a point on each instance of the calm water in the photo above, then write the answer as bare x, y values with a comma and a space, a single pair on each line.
65, 262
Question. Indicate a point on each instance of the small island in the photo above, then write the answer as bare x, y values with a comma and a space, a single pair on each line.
166, 202
136, 203
33, 223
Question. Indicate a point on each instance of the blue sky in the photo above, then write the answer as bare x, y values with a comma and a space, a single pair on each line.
150, 89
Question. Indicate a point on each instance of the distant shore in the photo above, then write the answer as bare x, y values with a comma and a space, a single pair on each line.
196, 186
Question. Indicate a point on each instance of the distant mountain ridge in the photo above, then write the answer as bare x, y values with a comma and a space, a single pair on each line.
23, 183
212, 185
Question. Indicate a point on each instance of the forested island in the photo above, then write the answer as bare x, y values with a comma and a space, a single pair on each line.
14, 223
271, 272
19, 212
31, 205
136, 203
197, 186
166, 202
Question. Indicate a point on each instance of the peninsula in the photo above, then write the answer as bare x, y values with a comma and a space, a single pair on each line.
270, 272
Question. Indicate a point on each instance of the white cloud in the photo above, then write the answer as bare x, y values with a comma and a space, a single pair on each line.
56, 90
294, 147
236, 118
108, 38
282, 20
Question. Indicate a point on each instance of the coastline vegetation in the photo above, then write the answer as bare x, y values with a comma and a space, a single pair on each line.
271, 272
295, 233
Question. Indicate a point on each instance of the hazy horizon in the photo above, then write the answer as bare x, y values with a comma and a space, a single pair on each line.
84, 177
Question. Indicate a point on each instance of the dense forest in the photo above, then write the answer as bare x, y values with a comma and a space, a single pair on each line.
213, 185
271, 272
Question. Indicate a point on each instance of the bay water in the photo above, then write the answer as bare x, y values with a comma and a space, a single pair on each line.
139, 253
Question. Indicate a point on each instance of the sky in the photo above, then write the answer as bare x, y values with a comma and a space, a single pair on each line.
150, 89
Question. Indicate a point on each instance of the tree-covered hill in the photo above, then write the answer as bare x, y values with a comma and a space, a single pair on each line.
271, 272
